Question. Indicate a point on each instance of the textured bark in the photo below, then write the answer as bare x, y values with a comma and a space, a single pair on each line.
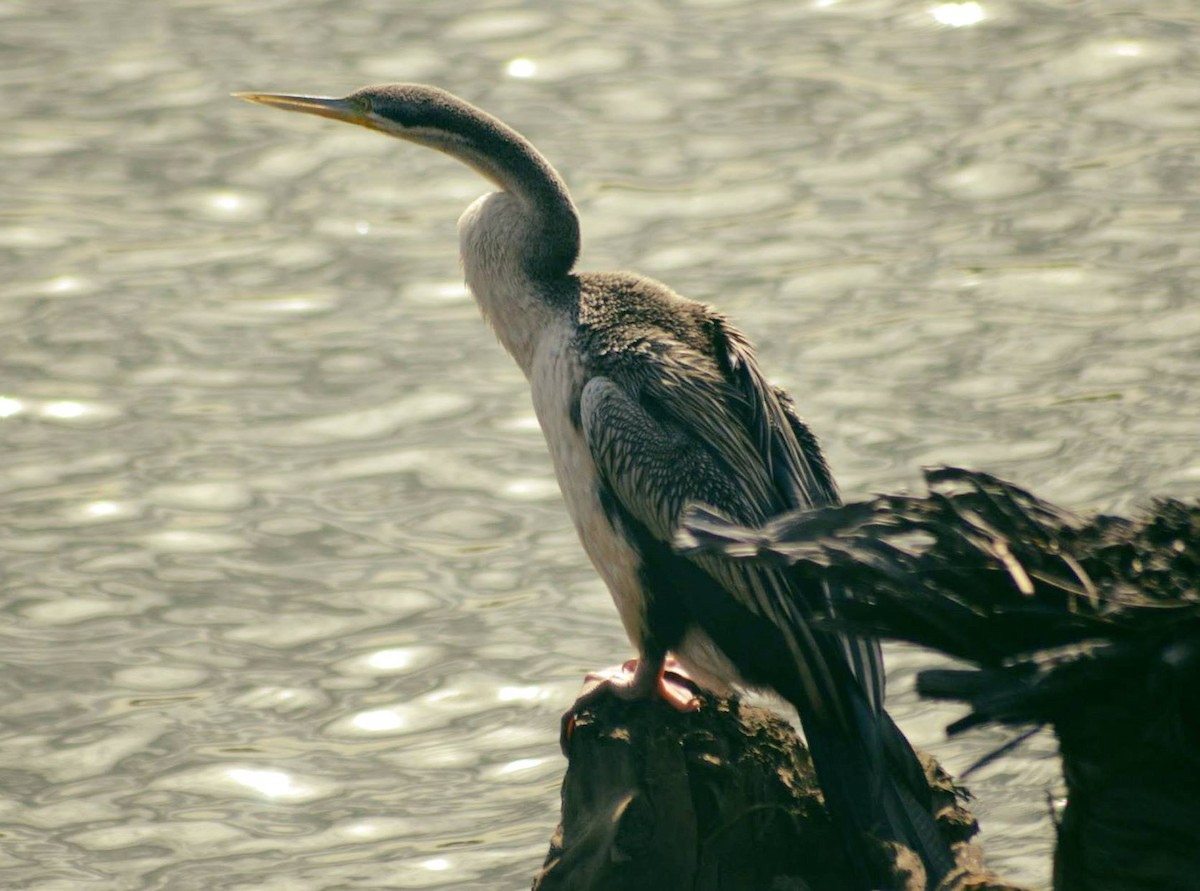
721, 799
1132, 819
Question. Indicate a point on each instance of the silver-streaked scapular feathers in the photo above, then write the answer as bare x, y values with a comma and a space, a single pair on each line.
650, 402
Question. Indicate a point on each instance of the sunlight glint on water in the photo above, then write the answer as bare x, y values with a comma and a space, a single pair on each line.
290, 599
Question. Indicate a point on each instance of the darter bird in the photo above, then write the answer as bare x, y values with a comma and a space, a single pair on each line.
650, 402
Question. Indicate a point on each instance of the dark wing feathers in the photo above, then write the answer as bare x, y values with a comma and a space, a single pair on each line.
672, 422
864, 654
822, 487
792, 457
684, 426
798, 470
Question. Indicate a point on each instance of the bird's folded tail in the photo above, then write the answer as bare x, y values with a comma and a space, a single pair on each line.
871, 778
874, 784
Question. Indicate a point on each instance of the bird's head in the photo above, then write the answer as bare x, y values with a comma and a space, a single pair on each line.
413, 112
432, 117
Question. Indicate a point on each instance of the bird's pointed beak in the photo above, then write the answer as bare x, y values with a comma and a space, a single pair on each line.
348, 110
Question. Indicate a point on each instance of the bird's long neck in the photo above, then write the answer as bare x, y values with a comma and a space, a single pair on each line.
496, 234
549, 243
518, 244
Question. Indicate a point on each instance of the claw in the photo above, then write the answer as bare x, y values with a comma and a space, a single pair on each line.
632, 680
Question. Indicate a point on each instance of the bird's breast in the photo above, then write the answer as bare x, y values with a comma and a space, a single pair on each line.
557, 378
495, 237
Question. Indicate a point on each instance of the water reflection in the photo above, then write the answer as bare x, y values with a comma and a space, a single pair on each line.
957, 15
521, 68
290, 598
268, 783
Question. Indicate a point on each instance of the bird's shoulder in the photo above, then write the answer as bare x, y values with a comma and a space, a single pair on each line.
690, 368
629, 325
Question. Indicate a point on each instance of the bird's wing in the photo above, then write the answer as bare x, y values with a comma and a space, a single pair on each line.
792, 454
864, 654
783, 446
821, 485
684, 426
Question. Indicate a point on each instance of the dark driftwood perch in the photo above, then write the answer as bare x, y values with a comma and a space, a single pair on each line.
722, 799
1090, 625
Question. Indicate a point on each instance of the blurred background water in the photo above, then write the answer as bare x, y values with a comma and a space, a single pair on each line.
290, 600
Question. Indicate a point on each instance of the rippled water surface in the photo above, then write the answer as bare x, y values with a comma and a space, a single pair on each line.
290, 598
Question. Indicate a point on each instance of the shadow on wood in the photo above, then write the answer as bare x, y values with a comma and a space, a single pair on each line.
721, 799
1090, 625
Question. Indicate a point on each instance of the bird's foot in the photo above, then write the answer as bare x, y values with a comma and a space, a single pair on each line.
639, 679
635, 679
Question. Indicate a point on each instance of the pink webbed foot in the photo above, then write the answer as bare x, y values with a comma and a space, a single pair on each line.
635, 679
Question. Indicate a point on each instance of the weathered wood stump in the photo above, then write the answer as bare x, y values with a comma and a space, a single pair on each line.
721, 799
1132, 819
